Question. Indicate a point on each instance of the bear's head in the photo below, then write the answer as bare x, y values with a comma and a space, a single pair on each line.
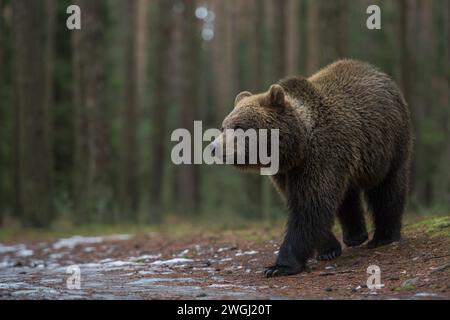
274, 111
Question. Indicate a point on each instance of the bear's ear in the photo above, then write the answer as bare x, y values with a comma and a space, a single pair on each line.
241, 96
276, 95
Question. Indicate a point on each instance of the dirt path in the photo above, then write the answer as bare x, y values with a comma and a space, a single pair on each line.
222, 265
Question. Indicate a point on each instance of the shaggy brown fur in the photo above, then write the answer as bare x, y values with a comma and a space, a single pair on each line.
345, 133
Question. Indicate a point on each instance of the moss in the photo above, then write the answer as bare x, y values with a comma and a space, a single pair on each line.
408, 287
433, 227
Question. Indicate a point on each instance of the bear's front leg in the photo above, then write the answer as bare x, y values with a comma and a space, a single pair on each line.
289, 261
310, 219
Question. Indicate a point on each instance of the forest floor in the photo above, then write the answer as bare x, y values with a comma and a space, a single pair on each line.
222, 265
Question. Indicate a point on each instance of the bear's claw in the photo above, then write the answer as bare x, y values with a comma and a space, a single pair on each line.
278, 271
330, 255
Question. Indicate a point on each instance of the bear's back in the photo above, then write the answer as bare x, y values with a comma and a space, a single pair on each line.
364, 113
353, 83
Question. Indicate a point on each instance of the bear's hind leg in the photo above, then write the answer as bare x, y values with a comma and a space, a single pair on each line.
387, 202
329, 248
351, 217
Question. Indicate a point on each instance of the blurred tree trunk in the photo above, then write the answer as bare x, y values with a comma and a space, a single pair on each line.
187, 176
407, 65
280, 37
257, 58
426, 53
223, 58
322, 14
129, 183
141, 50
176, 85
292, 37
92, 187
446, 102
333, 22
406, 55
3, 171
313, 59
285, 39
416, 47
33, 27
160, 108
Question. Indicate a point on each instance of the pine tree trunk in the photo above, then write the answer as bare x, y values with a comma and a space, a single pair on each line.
188, 179
313, 58
129, 183
223, 58
446, 102
333, 40
3, 172
292, 37
92, 185
280, 18
33, 27
159, 112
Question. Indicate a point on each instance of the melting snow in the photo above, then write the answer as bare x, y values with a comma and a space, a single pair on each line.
183, 253
145, 257
24, 253
8, 249
425, 294
118, 263
77, 240
19, 250
156, 280
171, 261
240, 253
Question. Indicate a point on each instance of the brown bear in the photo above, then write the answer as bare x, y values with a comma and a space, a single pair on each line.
344, 135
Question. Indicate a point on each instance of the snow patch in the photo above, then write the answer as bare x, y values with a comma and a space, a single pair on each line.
24, 252
246, 253
183, 253
19, 250
145, 257
72, 242
156, 280
171, 261
14, 285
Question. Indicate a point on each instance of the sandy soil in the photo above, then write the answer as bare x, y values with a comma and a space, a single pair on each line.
226, 265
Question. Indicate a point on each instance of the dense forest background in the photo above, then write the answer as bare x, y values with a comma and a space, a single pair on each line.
86, 115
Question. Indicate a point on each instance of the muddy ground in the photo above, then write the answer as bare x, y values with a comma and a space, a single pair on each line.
222, 265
